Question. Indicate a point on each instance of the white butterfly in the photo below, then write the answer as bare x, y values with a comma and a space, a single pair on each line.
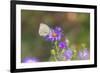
44, 29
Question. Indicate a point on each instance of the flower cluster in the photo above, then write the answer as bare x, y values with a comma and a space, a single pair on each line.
61, 50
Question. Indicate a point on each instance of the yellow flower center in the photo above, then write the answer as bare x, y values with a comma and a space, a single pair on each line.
54, 34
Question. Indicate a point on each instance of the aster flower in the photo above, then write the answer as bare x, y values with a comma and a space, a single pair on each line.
68, 54
62, 45
55, 34
83, 55
29, 60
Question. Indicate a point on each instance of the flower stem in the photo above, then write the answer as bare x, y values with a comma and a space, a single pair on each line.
56, 48
53, 52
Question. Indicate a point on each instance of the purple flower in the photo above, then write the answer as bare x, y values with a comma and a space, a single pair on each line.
55, 34
83, 55
68, 54
29, 60
62, 45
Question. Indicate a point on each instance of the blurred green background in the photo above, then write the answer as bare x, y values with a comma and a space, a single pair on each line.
76, 27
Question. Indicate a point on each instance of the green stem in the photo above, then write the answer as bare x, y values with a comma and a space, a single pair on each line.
53, 53
56, 47
55, 57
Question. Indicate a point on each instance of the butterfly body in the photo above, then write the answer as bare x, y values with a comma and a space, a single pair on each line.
44, 29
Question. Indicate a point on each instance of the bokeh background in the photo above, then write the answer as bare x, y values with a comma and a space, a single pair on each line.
76, 27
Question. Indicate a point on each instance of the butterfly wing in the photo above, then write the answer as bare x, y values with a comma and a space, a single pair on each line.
44, 29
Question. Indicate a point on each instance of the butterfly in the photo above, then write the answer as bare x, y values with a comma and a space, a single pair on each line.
44, 29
